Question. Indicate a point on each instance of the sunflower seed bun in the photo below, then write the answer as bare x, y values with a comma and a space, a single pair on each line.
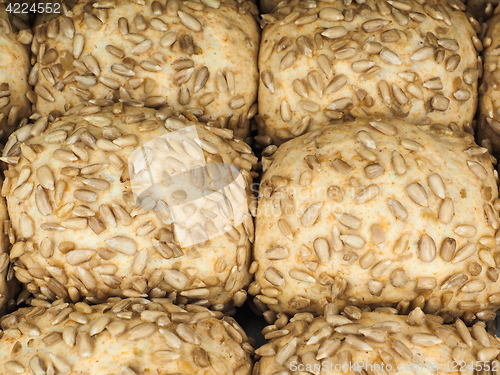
111, 203
199, 55
14, 69
376, 343
374, 212
489, 117
132, 336
325, 61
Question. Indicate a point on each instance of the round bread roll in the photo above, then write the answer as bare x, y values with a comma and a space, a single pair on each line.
375, 212
132, 336
379, 342
131, 202
328, 62
489, 102
14, 69
195, 55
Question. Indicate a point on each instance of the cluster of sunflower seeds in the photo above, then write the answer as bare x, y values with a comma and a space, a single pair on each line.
14, 69
332, 61
377, 212
131, 336
489, 97
366, 342
195, 55
86, 225
9, 286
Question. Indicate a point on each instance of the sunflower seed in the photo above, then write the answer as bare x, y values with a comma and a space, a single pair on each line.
300, 88
158, 24
237, 102
300, 126
335, 32
398, 278
267, 79
341, 166
311, 214
372, 48
440, 103
37, 366
42, 201
44, 93
402, 349
465, 252
477, 169
335, 84
423, 54
84, 344
274, 277
398, 163
374, 25
465, 230
464, 333
285, 112
471, 75
353, 241
141, 331
390, 36
142, 47
168, 39
109, 82
367, 194
325, 65
340, 104
361, 66
288, 60
301, 276
276, 253
389, 57
305, 46
78, 44
123, 245
149, 66
374, 170
433, 84
462, 95
473, 286
350, 221
426, 249
446, 211
345, 53
452, 63
437, 186
322, 249
425, 339
176, 279
399, 95
357, 343
417, 193
286, 352
189, 21
397, 209
330, 14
